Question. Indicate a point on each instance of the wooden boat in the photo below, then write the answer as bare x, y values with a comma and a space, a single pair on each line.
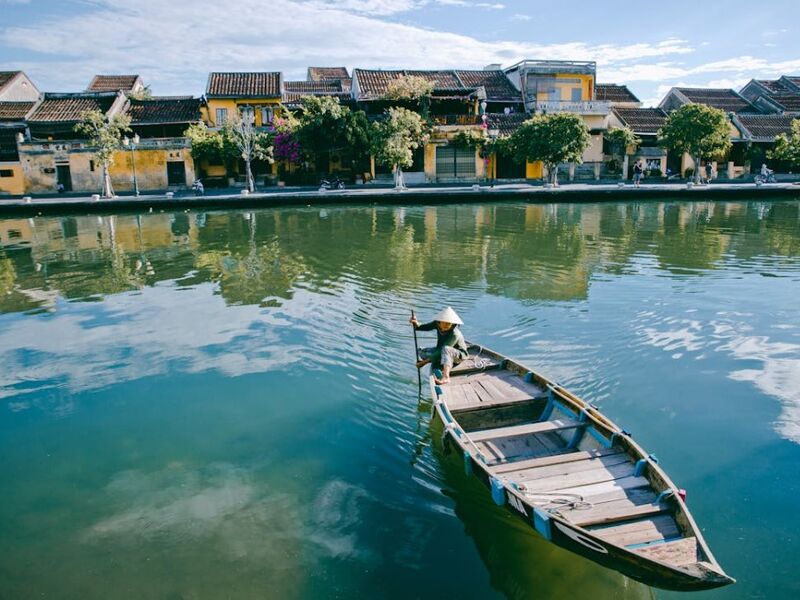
573, 475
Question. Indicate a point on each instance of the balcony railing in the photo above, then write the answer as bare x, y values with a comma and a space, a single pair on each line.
589, 107
456, 119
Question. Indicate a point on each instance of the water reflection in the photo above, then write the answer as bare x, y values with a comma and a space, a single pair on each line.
228, 386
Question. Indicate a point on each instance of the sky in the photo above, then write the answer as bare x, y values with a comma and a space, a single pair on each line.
174, 44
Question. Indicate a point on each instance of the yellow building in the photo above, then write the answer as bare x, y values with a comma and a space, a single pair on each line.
156, 156
248, 95
549, 86
457, 103
18, 96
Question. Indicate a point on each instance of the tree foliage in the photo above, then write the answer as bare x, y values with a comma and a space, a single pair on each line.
551, 138
621, 138
324, 126
409, 87
208, 144
104, 135
395, 138
699, 130
787, 147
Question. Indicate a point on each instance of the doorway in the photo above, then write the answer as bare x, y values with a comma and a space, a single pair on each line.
64, 177
176, 173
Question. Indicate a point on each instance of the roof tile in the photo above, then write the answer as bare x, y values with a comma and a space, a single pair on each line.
727, 100
327, 73
69, 107
642, 121
164, 110
245, 85
112, 83
15, 111
766, 127
611, 92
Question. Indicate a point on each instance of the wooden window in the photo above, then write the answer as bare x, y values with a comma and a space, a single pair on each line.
222, 116
247, 114
6, 173
267, 115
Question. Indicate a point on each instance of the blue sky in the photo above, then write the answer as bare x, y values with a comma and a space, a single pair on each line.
173, 44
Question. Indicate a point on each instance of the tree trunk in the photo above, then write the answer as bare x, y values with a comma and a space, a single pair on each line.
108, 191
553, 175
251, 184
399, 184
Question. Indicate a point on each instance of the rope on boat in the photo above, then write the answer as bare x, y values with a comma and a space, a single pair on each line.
555, 502
477, 361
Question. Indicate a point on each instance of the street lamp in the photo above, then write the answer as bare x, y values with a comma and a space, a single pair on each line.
132, 143
494, 133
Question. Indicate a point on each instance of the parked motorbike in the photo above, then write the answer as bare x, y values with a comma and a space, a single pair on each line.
765, 178
334, 183
198, 187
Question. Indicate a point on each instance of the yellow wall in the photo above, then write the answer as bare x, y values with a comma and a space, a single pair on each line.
586, 85
151, 168
534, 170
233, 104
14, 184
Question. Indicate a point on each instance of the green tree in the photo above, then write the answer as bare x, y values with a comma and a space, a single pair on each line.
619, 140
697, 129
787, 147
395, 138
105, 136
208, 144
251, 144
412, 89
324, 126
551, 138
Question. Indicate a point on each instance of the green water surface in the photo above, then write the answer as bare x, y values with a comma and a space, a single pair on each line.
223, 404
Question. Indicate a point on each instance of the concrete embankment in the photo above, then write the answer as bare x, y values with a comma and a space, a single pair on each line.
421, 195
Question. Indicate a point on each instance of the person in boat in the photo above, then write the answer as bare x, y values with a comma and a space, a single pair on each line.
450, 347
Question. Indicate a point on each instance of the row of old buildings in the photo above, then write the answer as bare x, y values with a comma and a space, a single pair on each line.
40, 152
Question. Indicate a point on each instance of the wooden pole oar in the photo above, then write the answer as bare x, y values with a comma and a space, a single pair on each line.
416, 352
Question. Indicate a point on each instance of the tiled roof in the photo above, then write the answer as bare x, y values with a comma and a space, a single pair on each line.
164, 110
765, 127
294, 90
327, 73
373, 84
244, 85
497, 85
790, 101
5, 77
14, 111
611, 92
727, 100
313, 87
69, 107
794, 80
642, 121
112, 83
507, 124
773, 86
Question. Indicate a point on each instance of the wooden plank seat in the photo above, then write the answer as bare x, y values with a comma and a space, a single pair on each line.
518, 430
677, 552
604, 514
644, 531
488, 390
592, 475
567, 457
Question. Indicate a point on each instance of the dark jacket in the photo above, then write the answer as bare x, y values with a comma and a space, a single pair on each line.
452, 338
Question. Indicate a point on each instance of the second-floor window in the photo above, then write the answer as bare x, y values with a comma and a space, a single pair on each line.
222, 116
247, 113
577, 95
267, 115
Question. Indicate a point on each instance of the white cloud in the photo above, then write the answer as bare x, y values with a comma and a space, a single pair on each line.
174, 45
521, 17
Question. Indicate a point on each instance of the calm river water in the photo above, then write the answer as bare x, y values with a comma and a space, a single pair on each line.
223, 404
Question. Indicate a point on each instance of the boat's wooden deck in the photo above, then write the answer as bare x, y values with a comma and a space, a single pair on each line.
535, 456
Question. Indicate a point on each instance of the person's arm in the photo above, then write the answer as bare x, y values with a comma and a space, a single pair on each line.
427, 326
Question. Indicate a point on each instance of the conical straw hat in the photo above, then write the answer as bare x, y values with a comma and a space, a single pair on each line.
448, 315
